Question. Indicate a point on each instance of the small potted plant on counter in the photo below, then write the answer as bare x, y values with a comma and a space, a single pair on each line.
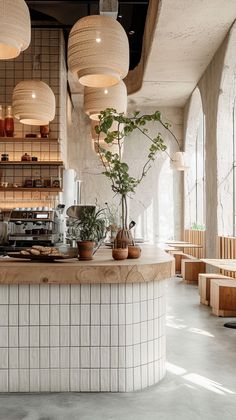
89, 230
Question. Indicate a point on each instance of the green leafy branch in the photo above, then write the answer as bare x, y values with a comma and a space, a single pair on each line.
116, 170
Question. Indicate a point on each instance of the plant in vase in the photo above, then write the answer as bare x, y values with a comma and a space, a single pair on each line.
118, 171
112, 215
90, 230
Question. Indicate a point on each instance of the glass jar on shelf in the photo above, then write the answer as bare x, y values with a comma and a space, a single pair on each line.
4, 157
47, 182
9, 122
28, 183
38, 183
55, 182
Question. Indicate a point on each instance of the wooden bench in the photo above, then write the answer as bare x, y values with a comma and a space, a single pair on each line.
178, 256
191, 268
204, 285
223, 297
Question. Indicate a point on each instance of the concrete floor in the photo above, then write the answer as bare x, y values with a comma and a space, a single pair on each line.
200, 382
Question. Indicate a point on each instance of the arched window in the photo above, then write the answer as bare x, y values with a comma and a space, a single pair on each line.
226, 143
195, 176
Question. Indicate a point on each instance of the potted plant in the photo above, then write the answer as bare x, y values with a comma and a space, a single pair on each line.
115, 169
90, 230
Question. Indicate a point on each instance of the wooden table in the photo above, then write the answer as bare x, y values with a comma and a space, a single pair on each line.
222, 264
183, 245
174, 242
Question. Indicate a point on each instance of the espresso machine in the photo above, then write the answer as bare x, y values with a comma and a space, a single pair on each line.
37, 226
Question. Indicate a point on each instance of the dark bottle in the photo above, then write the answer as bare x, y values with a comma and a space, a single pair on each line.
44, 131
2, 123
9, 122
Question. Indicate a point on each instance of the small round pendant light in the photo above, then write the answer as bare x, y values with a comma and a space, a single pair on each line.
178, 162
15, 28
98, 99
33, 102
98, 51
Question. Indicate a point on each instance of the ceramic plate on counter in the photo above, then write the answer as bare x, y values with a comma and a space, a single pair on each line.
43, 258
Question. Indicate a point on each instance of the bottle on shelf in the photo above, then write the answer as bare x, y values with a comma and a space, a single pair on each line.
44, 131
9, 122
25, 157
2, 123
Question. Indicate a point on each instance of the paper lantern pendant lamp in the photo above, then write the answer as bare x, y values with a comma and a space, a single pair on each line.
15, 28
98, 51
179, 162
33, 102
98, 99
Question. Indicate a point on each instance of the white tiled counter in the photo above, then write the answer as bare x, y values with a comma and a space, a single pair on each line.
83, 337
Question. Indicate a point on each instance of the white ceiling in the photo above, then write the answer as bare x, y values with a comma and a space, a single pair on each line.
187, 35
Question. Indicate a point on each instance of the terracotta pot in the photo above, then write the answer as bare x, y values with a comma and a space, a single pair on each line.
134, 251
120, 253
123, 238
85, 249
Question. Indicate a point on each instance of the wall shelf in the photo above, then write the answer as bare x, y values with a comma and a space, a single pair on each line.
22, 189
27, 140
32, 163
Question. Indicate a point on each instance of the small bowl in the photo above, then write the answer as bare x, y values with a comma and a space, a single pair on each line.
120, 253
134, 251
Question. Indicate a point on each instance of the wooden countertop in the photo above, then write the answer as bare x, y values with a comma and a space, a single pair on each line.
154, 264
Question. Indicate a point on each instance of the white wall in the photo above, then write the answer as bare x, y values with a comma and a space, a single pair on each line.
217, 89
157, 205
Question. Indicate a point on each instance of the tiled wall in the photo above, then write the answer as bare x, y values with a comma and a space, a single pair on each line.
81, 337
40, 61
43, 60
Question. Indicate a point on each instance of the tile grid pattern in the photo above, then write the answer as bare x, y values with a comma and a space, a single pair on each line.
43, 60
81, 337
40, 61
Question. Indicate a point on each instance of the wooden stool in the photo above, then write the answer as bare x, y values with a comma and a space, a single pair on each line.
190, 270
204, 285
223, 297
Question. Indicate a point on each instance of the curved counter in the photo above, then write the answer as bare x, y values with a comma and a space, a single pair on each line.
154, 264
83, 326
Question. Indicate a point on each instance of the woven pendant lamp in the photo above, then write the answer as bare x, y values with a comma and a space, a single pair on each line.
15, 28
33, 102
98, 99
98, 51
